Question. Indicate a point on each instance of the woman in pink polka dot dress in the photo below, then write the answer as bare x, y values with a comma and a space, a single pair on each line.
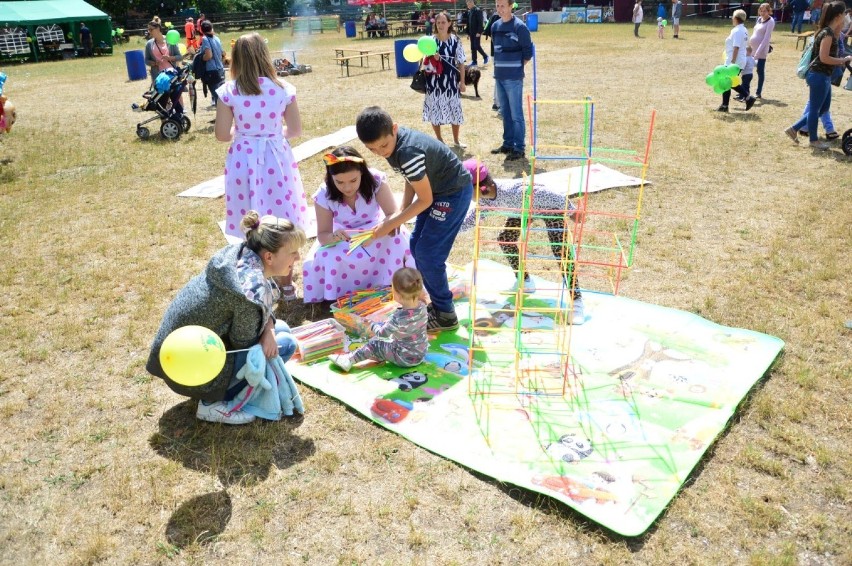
354, 197
260, 170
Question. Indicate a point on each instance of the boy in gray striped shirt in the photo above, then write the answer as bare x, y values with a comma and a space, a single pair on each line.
437, 191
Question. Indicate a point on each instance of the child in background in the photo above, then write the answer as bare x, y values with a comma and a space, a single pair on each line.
510, 195
260, 170
748, 73
353, 197
660, 27
437, 192
402, 339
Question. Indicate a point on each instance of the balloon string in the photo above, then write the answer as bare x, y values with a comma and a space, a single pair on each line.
235, 351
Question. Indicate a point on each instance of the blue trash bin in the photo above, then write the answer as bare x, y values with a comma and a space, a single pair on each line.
136, 70
350, 29
532, 22
404, 68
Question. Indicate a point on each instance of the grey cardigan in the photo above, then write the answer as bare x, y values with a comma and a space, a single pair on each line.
213, 299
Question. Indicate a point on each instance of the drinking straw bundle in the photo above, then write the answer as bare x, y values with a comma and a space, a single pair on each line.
357, 238
318, 339
359, 310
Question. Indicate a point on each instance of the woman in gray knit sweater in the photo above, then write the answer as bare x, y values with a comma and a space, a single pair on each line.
235, 298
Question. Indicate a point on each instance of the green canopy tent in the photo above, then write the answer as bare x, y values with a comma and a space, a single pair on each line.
45, 14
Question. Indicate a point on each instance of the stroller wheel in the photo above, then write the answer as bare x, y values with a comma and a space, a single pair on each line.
171, 129
185, 123
143, 132
846, 142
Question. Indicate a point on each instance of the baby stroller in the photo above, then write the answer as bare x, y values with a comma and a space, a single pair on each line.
164, 99
846, 142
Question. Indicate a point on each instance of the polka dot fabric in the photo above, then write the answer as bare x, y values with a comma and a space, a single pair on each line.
328, 273
260, 171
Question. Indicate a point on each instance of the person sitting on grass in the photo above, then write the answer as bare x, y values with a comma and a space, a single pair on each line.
353, 197
234, 298
510, 196
403, 338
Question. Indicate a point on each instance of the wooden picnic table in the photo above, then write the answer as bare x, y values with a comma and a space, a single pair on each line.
361, 54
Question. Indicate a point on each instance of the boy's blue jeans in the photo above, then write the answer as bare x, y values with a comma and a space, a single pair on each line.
510, 99
432, 239
819, 102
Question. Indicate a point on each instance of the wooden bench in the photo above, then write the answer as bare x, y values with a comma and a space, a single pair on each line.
344, 61
341, 52
803, 37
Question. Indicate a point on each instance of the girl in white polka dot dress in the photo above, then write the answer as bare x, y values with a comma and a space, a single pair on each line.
260, 170
353, 197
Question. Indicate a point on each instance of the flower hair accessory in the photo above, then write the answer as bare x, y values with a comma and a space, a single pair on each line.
331, 159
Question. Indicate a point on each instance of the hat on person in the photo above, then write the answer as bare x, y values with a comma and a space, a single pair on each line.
189, 19
478, 170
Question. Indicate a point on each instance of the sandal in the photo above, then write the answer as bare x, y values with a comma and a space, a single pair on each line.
831, 136
288, 293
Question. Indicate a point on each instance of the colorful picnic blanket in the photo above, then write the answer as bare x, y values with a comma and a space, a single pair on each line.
652, 389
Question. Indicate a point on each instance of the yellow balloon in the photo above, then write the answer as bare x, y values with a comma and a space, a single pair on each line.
192, 355
412, 53
736, 81
182, 48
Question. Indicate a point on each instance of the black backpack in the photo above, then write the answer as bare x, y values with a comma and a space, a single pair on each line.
199, 65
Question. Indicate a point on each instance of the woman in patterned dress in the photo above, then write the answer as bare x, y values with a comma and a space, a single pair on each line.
353, 198
258, 114
445, 81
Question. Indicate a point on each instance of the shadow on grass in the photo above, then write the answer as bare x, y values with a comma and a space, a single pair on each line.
770, 102
236, 455
199, 520
241, 455
741, 116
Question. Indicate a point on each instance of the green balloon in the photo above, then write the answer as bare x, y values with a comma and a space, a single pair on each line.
427, 45
710, 79
732, 70
720, 71
173, 37
665, 23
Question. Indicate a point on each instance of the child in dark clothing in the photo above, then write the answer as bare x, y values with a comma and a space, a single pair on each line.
402, 339
437, 192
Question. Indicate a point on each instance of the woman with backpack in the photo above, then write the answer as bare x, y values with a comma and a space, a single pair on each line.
823, 60
211, 52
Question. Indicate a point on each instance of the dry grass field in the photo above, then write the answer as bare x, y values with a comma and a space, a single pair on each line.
101, 463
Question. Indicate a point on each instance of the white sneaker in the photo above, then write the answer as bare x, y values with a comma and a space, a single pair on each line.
529, 286
218, 413
343, 361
